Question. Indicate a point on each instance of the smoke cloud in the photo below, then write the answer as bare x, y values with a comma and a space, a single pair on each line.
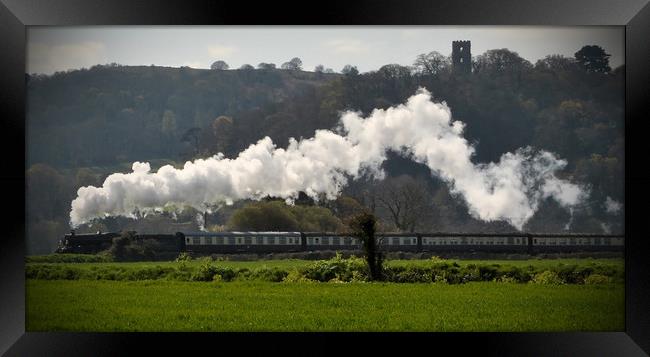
612, 206
420, 129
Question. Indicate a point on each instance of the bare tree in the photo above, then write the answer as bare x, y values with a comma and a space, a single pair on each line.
406, 200
431, 63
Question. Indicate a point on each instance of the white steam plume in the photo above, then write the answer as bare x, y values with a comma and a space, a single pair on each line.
612, 206
420, 129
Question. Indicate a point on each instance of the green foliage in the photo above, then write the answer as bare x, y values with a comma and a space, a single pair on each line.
594, 59
547, 278
127, 248
336, 269
68, 258
278, 216
597, 279
183, 257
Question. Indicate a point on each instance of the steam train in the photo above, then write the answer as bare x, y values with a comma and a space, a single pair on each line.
272, 242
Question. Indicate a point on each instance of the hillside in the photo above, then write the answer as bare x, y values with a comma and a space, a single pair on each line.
85, 124
111, 114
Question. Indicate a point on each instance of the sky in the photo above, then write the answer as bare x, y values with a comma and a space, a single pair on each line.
51, 49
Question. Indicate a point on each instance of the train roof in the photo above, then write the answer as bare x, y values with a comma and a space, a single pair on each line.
203, 234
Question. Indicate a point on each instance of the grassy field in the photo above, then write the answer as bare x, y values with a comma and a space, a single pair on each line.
84, 305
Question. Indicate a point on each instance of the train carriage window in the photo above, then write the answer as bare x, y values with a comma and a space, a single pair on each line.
187, 240
231, 240
348, 241
207, 240
248, 240
218, 240
282, 240
196, 240
317, 240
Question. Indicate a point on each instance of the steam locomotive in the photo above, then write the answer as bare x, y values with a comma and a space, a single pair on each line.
271, 242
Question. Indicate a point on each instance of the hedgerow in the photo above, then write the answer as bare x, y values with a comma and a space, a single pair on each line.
336, 269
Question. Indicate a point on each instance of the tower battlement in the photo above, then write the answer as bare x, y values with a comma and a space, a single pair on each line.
461, 56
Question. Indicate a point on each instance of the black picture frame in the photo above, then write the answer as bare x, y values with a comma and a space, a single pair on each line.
16, 14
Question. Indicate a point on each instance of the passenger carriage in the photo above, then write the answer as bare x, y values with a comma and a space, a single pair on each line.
243, 242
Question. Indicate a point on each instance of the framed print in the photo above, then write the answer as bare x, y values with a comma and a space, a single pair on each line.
176, 153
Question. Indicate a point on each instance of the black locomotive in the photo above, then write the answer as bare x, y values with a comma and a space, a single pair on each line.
271, 242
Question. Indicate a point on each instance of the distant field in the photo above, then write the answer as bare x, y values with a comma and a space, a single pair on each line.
263, 306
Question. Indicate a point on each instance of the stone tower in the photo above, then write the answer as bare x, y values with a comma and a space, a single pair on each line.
461, 56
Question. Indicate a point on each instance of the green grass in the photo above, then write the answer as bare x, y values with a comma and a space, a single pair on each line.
84, 305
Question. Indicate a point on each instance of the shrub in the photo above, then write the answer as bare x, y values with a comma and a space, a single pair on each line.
183, 257
295, 276
597, 279
547, 277
506, 279
205, 272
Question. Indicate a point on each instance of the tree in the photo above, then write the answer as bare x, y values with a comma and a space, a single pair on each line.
192, 136
222, 129
294, 65
266, 66
432, 63
350, 70
363, 226
329, 70
500, 61
319, 68
407, 201
395, 71
86, 177
47, 192
556, 63
246, 67
593, 59
220, 65
168, 123
277, 216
